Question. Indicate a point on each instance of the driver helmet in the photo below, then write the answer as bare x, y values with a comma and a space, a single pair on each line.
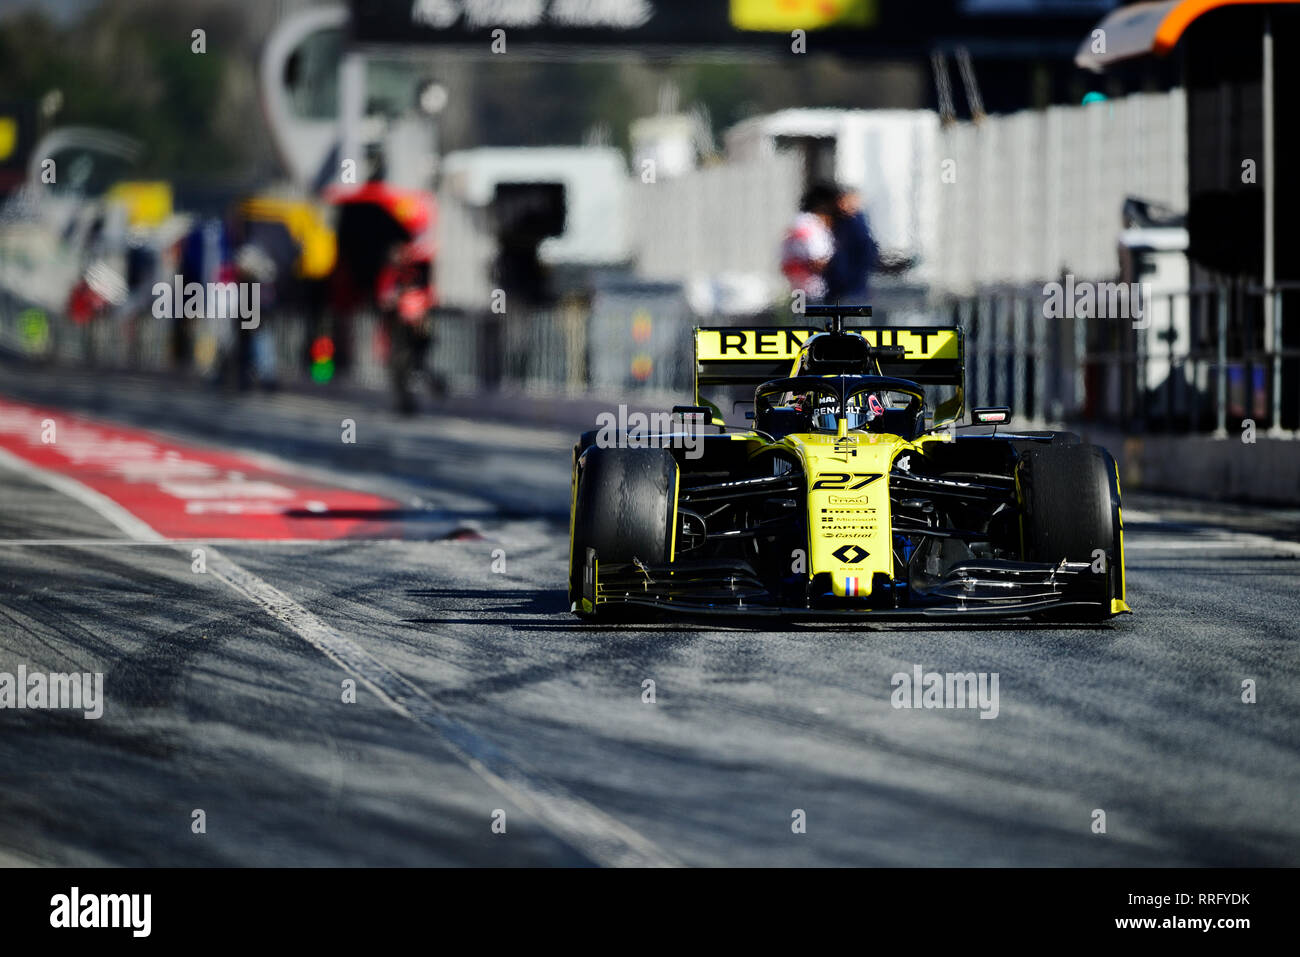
860, 410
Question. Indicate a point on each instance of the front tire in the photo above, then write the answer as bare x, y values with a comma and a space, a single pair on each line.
1071, 511
624, 507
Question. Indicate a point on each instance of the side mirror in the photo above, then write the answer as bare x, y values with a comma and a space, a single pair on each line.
996, 415
705, 414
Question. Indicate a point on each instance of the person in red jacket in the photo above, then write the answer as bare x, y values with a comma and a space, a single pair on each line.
809, 243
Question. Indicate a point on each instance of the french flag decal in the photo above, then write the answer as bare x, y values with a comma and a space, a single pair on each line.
851, 587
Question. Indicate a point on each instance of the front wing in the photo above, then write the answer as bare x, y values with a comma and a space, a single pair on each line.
981, 590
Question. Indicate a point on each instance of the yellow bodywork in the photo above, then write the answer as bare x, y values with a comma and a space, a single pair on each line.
1120, 605
848, 474
782, 16
755, 355
714, 345
307, 222
850, 534
850, 537
146, 203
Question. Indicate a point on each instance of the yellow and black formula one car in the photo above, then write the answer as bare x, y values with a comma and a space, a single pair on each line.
850, 492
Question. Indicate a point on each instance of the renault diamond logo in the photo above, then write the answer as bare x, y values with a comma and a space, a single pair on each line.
850, 554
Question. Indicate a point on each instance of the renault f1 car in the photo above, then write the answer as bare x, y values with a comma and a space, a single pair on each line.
850, 491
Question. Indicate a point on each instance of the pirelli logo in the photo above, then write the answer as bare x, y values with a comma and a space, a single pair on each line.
718, 345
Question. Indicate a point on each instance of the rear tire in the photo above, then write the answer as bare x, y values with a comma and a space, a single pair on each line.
1070, 498
624, 507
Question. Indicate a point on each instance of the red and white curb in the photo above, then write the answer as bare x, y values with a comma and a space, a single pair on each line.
182, 491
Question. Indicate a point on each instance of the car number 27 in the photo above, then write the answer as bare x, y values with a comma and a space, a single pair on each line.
841, 481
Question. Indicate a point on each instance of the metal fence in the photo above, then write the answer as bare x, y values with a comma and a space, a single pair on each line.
611, 345
1199, 361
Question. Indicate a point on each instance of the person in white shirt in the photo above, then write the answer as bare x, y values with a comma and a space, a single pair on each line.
810, 243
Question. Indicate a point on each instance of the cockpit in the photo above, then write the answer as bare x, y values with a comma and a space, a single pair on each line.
877, 404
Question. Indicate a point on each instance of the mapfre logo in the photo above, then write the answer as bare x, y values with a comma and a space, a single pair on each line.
849, 500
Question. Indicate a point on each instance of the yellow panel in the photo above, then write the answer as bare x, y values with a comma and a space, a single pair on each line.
317, 243
928, 344
849, 520
713, 345
782, 16
765, 345
147, 203
8, 136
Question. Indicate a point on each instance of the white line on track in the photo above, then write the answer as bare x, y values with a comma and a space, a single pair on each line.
599, 837
1227, 541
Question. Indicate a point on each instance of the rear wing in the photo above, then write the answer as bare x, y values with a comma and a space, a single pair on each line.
735, 356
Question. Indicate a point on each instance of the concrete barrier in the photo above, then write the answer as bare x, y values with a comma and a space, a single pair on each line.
1264, 472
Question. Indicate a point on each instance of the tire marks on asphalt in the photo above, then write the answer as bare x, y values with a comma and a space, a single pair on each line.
600, 838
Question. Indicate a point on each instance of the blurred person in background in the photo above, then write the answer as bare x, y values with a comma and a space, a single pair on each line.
404, 298
257, 346
246, 355
809, 244
202, 252
847, 275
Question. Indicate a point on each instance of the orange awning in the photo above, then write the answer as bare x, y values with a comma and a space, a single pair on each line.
1148, 28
